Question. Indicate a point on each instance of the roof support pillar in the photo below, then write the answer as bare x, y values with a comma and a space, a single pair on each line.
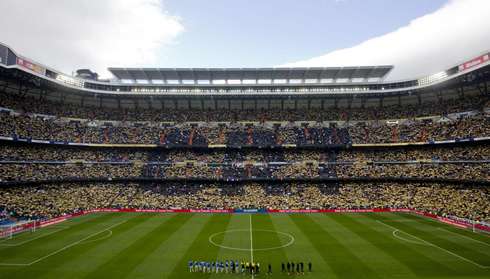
439, 96
483, 91
63, 98
295, 104
282, 104
5, 87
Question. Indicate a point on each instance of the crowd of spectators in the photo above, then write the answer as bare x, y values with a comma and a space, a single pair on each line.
51, 153
50, 171
420, 171
51, 200
69, 110
47, 162
39, 172
239, 135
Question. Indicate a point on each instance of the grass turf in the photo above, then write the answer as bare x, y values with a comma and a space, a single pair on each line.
160, 245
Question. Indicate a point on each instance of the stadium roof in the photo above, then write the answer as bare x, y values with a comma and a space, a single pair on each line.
315, 75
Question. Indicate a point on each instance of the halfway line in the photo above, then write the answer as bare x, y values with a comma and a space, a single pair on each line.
251, 242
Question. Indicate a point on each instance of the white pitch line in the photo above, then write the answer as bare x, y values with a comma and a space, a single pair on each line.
433, 245
251, 242
407, 240
55, 252
63, 228
110, 233
480, 232
465, 237
15, 236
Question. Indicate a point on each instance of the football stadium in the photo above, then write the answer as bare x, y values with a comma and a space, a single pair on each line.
315, 172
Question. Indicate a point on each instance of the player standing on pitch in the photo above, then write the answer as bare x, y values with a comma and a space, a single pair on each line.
270, 269
309, 267
283, 269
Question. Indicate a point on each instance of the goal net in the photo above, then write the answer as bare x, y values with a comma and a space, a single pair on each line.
9, 230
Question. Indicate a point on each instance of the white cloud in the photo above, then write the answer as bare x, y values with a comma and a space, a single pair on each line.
70, 35
454, 33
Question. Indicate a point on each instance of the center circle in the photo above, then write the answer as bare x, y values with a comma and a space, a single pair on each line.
255, 233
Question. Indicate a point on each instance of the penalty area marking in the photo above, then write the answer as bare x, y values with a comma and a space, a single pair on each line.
254, 249
407, 240
433, 245
3, 244
66, 247
84, 242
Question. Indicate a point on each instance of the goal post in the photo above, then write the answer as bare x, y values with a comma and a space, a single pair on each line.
9, 230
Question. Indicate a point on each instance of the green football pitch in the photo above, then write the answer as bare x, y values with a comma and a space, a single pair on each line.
160, 245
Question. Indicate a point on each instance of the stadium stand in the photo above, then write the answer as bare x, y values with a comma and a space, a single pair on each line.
69, 155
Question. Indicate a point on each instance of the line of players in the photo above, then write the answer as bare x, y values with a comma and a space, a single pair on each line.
250, 268
228, 266
290, 267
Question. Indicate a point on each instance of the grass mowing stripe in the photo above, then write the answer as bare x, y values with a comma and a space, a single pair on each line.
123, 263
265, 237
39, 248
354, 239
404, 253
440, 264
343, 262
301, 248
456, 236
237, 237
33, 250
201, 249
478, 235
429, 233
178, 243
86, 257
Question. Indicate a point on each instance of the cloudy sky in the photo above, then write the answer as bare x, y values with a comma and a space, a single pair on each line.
417, 36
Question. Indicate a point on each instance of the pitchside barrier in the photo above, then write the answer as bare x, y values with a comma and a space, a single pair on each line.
52, 221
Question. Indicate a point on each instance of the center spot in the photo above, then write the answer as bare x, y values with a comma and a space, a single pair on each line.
262, 239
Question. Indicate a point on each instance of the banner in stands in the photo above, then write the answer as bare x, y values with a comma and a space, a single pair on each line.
473, 63
31, 66
326, 210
